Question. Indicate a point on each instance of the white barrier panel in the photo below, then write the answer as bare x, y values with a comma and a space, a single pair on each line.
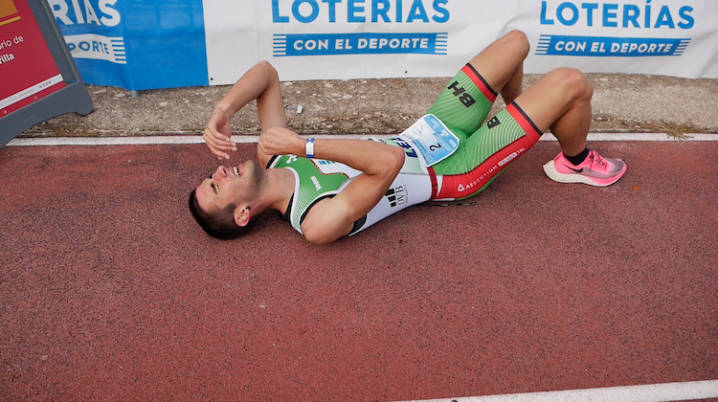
670, 37
342, 39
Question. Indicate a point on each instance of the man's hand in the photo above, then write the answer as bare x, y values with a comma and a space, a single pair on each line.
280, 141
218, 134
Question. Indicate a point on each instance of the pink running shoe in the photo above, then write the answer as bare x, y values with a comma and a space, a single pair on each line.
594, 170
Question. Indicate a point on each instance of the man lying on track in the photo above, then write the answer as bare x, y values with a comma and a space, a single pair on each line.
331, 188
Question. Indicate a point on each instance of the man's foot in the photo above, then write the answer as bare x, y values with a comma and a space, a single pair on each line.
594, 170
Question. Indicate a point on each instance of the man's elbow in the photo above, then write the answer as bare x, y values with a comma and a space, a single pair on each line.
269, 69
317, 238
265, 64
394, 161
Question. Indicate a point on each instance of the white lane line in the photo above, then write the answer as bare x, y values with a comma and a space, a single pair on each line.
675, 391
249, 139
660, 137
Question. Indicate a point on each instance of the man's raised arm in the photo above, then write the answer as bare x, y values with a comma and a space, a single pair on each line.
260, 82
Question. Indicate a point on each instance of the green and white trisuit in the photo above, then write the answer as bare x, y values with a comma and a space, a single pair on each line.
316, 179
450, 154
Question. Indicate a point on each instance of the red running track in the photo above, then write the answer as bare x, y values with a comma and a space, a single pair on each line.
109, 291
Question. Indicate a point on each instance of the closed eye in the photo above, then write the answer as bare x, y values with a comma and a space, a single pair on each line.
211, 184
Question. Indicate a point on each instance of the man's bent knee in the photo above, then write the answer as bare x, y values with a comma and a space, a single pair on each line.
572, 82
517, 41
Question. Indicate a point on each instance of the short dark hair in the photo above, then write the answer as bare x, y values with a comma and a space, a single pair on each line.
220, 225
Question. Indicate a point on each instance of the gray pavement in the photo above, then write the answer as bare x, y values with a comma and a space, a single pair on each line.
622, 103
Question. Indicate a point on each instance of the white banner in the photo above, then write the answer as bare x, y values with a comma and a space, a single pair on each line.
97, 47
343, 39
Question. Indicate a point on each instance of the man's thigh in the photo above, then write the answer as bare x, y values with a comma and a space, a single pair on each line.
465, 102
484, 153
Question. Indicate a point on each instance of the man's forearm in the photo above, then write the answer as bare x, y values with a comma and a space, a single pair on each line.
369, 157
249, 87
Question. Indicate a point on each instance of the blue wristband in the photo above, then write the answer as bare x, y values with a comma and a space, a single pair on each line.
309, 148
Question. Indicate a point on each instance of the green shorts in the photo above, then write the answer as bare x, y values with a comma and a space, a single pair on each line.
485, 148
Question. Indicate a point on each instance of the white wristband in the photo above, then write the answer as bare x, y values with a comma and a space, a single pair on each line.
309, 149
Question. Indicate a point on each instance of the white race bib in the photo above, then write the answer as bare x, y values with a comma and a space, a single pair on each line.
432, 140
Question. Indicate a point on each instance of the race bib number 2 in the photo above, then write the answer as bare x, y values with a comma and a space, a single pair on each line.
433, 141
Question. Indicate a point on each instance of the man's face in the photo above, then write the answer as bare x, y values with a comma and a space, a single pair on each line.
229, 185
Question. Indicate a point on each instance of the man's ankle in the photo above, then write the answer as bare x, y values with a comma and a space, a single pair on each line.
579, 158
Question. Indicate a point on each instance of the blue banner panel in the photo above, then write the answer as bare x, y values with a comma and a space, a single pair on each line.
602, 46
325, 44
135, 44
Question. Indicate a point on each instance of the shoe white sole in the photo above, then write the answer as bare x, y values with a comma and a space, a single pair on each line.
554, 175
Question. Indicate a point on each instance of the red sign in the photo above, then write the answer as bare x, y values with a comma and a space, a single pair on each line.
27, 69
